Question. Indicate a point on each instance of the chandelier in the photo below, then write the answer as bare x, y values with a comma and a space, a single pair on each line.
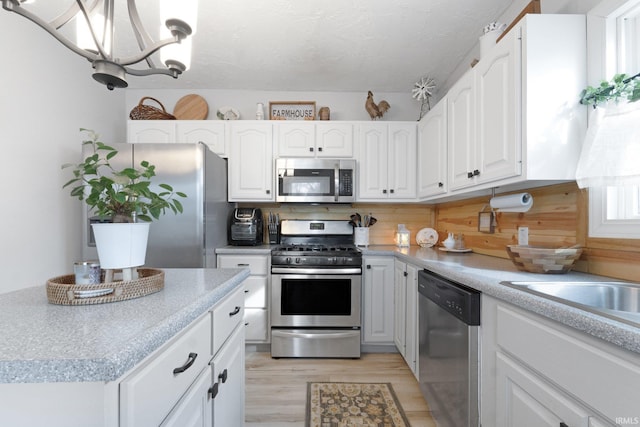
95, 18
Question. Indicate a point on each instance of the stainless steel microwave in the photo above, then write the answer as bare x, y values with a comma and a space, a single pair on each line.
316, 180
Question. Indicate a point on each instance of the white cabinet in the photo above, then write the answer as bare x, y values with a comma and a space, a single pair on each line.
151, 131
537, 372
406, 313
461, 117
387, 162
377, 306
195, 409
256, 287
228, 374
209, 132
308, 139
251, 162
432, 152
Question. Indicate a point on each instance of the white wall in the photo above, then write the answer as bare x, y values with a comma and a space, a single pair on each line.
46, 94
343, 105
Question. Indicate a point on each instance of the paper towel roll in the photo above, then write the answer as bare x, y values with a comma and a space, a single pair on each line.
521, 202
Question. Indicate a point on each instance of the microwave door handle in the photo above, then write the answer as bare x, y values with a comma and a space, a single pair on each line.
336, 176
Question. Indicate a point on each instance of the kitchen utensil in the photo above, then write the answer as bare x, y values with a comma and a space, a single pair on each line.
450, 242
191, 107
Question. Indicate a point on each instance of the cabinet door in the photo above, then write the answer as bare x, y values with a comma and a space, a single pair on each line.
432, 151
334, 140
526, 400
402, 161
228, 373
411, 321
295, 139
196, 407
461, 132
151, 131
209, 132
498, 111
377, 322
251, 162
372, 161
399, 302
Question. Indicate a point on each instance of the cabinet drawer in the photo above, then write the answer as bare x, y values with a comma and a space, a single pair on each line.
255, 292
147, 395
258, 264
256, 323
227, 314
585, 367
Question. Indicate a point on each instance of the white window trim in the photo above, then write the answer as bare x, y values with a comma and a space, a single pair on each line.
603, 63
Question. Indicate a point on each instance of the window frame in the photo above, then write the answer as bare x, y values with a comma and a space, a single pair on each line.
604, 31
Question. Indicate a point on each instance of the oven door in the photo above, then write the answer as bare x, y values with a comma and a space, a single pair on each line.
315, 300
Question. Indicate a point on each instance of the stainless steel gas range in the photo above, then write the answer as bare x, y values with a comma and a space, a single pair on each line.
316, 279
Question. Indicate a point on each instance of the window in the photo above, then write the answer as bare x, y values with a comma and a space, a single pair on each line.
615, 211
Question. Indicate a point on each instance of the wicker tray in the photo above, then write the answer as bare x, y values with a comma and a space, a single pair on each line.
543, 260
62, 289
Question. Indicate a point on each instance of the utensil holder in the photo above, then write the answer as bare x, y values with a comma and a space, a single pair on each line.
361, 236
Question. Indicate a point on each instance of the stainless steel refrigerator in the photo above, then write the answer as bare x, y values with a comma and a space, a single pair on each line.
188, 239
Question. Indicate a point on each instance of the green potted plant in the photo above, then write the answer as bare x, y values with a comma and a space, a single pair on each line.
622, 87
122, 196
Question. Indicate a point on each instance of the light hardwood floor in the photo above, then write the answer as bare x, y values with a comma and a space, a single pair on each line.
276, 389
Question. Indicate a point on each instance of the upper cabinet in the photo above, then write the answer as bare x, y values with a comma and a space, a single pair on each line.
387, 161
251, 161
209, 132
309, 139
432, 151
516, 115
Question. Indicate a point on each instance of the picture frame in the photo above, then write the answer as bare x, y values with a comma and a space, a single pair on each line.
292, 110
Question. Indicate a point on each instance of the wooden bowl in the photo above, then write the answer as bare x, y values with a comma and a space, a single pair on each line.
543, 260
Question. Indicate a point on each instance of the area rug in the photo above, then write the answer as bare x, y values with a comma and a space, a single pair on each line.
353, 404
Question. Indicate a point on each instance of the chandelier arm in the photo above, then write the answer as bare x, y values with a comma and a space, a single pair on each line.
49, 29
148, 51
69, 14
142, 35
151, 71
85, 13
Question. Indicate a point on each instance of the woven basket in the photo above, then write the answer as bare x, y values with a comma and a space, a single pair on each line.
148, 112
543, 260
63, 290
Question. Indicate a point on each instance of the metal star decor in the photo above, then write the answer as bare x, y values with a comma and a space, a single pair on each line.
422, 91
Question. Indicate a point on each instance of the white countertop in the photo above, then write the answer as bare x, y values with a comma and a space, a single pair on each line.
42, 342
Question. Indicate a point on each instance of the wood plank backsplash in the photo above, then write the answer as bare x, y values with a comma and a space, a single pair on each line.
558, 218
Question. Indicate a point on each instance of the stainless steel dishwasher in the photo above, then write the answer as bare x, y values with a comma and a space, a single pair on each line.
449, 319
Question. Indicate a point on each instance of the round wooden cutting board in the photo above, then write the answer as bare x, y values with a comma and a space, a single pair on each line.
191, 107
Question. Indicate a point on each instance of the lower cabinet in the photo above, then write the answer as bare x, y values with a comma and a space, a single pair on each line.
196, 407
377, 309
256, 313
536, 372
406, 313
228, 375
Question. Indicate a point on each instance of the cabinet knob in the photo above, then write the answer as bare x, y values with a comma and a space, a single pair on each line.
213, 390
368, 267
469, 174
476, 172
319, 148
223, 376
384, 191
268, 191
311, 149
440, 185
391, 191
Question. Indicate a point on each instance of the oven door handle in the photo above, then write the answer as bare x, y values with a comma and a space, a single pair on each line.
324, 335
320, 271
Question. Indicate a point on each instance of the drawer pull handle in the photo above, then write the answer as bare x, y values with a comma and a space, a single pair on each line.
223, 377
234, 312
190, 360
213, 390
243, 265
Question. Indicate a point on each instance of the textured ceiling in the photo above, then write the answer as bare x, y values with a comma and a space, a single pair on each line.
330, 45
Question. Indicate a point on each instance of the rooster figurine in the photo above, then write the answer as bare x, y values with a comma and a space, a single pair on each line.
375, 111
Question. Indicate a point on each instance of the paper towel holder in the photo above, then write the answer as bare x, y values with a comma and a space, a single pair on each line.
521, 202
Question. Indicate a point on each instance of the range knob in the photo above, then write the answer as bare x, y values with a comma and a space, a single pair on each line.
297, 260
288, 260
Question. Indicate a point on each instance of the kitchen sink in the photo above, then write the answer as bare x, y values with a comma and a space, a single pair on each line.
618, 300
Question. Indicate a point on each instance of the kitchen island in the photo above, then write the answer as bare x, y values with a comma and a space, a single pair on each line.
85, 360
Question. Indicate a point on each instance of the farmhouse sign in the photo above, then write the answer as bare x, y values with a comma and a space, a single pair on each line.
290, 110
